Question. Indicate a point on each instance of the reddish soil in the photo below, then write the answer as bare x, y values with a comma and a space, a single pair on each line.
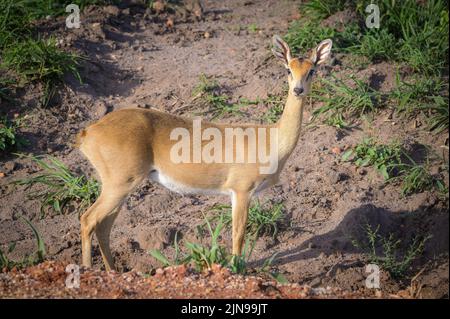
48, 280
136, 60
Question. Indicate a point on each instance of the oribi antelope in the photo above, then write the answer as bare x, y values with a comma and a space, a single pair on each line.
129, 145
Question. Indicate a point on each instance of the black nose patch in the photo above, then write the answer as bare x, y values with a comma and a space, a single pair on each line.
298, 91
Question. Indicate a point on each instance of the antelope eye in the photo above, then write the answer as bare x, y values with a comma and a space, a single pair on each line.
311, 73
288, 71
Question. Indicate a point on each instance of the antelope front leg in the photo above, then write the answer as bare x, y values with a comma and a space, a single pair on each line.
240, 202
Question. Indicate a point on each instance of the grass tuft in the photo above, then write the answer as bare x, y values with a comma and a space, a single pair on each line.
61, 187
340, 100
321, 9
204, 257
208, 91
384, 251
40, 60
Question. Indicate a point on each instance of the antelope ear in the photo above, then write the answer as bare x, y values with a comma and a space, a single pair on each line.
281, 50
322, 52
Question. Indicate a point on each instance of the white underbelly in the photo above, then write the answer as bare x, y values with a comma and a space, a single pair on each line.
180, 188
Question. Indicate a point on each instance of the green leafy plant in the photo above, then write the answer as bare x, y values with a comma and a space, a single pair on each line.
9, 134
385, 251
394, 164
28, 260
60, 186
386, 159
205, 256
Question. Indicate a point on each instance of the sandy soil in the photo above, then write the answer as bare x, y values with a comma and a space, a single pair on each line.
136, 60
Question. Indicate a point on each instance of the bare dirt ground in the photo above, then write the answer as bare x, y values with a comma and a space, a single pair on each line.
137, 59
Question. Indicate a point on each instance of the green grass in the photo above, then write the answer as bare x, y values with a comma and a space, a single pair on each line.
202, 257
40, 60
376, 45
27, 56
205, 256
24, 12
263, 219
410, 32
62, 190
29, 260
425, 94
438, 114
321, 9
385, 251
421, 31
306, 34
15, 22
341, 100
394, 164
208, 93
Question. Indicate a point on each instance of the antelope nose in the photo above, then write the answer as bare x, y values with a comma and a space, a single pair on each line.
298, 91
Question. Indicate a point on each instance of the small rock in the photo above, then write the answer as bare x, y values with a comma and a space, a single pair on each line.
100, 109
160, 271
170, 23
207, 35
336, 150
113, 10
158, 6
11, 166
362, 171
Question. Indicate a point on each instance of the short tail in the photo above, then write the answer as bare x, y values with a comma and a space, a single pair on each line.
80, 137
